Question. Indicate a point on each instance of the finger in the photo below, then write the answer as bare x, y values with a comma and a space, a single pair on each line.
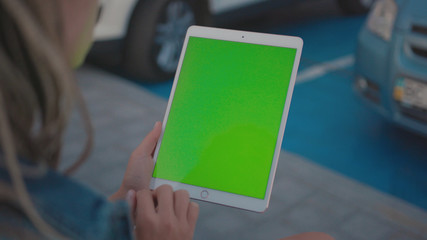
181, 203
130, 199
148, 145
145, 204
193, 214
150, 141
164, 195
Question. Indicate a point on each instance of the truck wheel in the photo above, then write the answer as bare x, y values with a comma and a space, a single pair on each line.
355, 6
155, 36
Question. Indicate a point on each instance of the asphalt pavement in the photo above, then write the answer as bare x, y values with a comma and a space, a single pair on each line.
305, 196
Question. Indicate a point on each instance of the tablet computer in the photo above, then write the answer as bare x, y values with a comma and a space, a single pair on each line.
223, 128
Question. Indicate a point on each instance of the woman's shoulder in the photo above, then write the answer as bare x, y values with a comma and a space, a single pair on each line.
72, 208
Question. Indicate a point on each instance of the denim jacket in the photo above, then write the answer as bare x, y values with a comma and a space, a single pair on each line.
71, 208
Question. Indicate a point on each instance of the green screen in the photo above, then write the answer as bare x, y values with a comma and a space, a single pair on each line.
225, 117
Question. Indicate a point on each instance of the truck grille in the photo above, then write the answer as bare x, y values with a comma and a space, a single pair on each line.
419, 29
417, 49
416, 114
419, 52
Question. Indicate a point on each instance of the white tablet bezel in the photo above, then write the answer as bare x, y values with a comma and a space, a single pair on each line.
215, 196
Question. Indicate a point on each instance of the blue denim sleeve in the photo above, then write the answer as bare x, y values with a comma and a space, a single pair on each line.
74, 210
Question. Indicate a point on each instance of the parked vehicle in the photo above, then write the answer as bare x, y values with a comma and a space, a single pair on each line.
144, 37
391, 62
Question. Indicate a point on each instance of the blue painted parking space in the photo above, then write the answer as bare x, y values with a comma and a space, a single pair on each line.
330, 126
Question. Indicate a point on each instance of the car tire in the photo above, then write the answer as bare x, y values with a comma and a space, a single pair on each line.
155, 35
355, 6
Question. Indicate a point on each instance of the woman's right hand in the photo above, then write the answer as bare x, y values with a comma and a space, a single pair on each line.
164, 214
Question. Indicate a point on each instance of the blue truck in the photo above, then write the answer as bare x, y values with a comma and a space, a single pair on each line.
391, 62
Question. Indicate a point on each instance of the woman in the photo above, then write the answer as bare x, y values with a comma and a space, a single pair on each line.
40, 42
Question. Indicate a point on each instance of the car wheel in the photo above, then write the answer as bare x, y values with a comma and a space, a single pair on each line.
156, 33
355, 6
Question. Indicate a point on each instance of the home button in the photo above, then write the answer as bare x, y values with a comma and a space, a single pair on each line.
204, 194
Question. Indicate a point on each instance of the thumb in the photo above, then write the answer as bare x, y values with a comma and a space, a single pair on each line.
149, 143
131, 200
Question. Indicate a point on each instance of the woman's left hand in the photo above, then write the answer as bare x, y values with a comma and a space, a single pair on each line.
140, 165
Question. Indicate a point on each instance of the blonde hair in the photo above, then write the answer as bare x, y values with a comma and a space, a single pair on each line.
37, 94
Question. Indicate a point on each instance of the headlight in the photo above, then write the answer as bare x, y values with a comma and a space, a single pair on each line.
381, 18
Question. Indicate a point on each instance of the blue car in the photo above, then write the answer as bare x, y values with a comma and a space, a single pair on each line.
391, 62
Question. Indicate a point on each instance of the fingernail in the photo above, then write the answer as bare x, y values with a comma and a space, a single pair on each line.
194, 204
155, 124
129, 195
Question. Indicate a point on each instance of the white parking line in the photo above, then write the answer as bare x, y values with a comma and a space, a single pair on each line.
319, 70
